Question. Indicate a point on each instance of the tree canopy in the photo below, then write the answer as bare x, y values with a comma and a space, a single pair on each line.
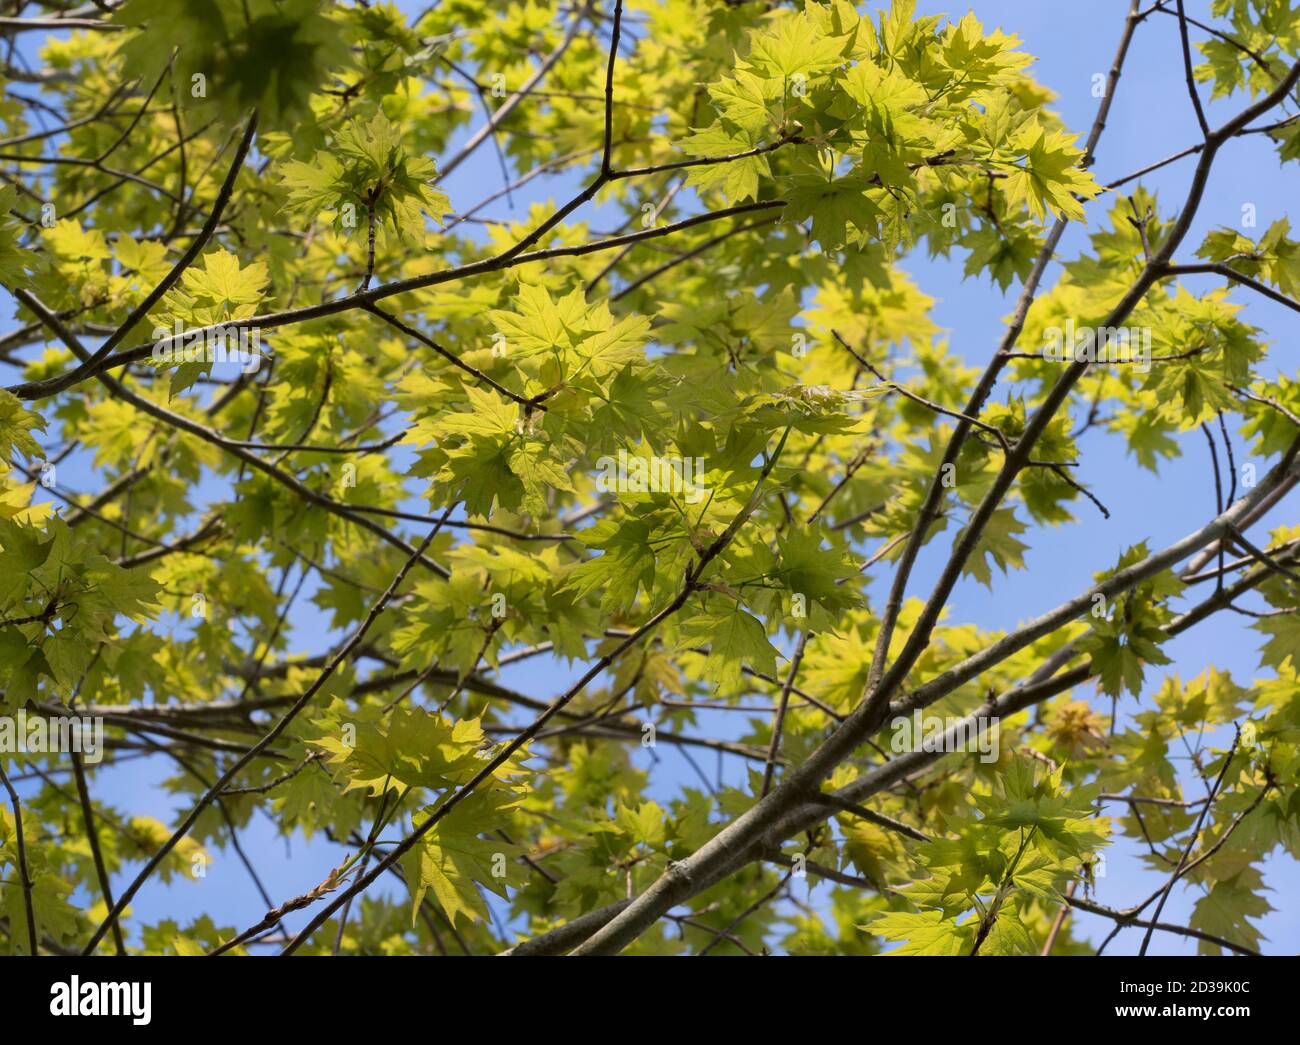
309, 459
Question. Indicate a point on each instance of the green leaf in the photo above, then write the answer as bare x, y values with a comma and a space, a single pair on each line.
1049, 176
735, 639
253, 54
455, 863
1225, 911
999, 545
924, 933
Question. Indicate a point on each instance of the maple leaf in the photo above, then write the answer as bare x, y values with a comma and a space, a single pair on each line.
1049, 176
923, 932
997, 544
736, 178
454, 863
736, 639
269, 55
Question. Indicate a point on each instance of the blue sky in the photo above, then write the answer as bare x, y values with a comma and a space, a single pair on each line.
1151, 118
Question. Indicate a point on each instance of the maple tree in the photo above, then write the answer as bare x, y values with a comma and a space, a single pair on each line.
416, 433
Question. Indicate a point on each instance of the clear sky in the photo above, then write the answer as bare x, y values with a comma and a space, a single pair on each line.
1151, 118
